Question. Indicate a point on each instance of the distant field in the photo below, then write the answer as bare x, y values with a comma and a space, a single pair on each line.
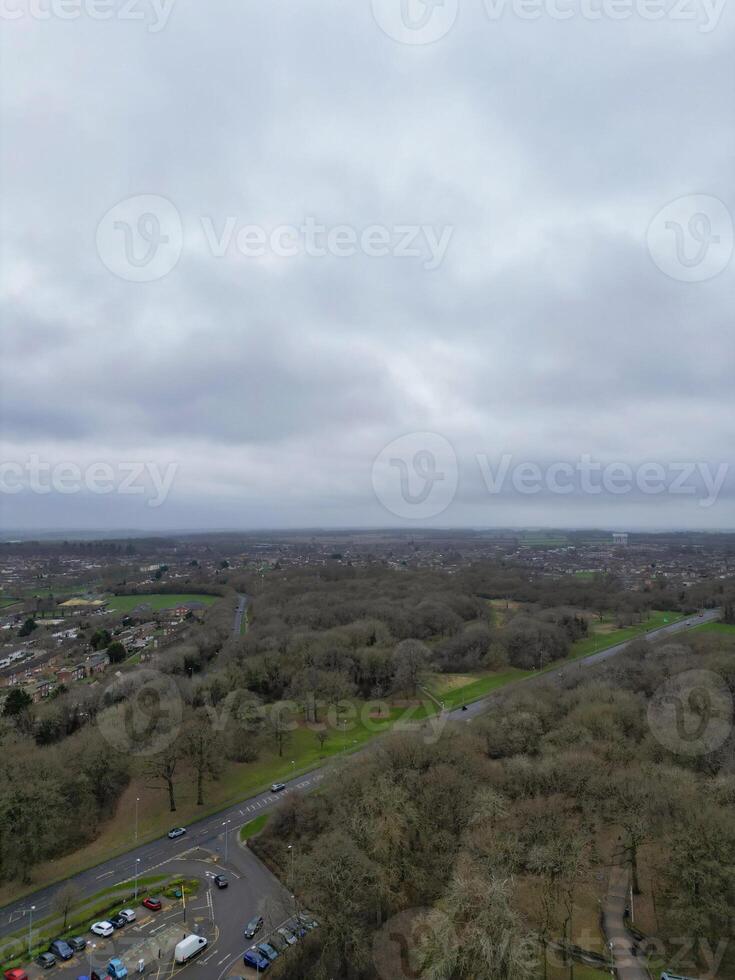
457, 689
7, 602
725, 628
126, 603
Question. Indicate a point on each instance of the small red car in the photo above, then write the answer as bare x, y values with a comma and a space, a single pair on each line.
154, 904
15, 975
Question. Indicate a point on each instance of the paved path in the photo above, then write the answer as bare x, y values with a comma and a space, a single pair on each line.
619, 939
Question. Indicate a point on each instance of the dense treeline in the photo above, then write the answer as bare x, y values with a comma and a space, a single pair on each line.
507, 830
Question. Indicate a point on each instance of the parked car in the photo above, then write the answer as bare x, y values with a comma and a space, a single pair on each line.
61, 949
268, 951
176, 832
287, 935
277, 787
307, 919
116, 969
78, 944
255, 959
118, 921
221, 881
15, 975
297, 928
46, 960
103, 929
255, 925
128, 914
188, 948
152, 903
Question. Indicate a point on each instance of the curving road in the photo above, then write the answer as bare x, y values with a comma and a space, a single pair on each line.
209, 831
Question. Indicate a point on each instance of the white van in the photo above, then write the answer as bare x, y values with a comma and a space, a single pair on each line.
188, 948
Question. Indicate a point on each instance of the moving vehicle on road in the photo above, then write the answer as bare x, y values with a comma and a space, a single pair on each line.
176, 832
152, 903
277, 787
46, 960
255, 959
255, 925
221, 881
103, 929
268, 951
61, 949
188, 948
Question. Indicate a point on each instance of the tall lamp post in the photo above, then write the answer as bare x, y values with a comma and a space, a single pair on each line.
137, 872
291, 852
90, 948
31, 910
226, 826
137, 801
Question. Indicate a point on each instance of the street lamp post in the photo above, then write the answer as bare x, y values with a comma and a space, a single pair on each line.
30, 929
91, 947
137, 871
291, 851
137, 801
226, 826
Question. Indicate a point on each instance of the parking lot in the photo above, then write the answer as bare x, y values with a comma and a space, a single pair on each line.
217, 914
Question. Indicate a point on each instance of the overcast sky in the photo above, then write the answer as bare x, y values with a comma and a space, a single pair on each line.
555, 307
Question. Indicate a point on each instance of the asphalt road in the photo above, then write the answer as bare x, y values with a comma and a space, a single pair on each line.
242, 604
209, 832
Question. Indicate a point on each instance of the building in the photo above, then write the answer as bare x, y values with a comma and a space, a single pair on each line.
97, 663
620, 538
68, 675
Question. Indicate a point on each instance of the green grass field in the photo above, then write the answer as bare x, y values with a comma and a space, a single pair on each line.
601, 638
723, 628
157, 602
253, 827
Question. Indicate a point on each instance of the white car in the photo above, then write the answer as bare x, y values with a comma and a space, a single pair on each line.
128, 915
277, 787
102, 929
176, 832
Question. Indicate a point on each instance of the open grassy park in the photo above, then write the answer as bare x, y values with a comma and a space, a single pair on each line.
458, 689
157, 602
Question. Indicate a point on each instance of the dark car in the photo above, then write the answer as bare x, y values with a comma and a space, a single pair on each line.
256, 960
77, 944
269, 951
46, 960
61, 949
255, 925
118, 921
152, 903
308, 920
297, 927
221, 881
